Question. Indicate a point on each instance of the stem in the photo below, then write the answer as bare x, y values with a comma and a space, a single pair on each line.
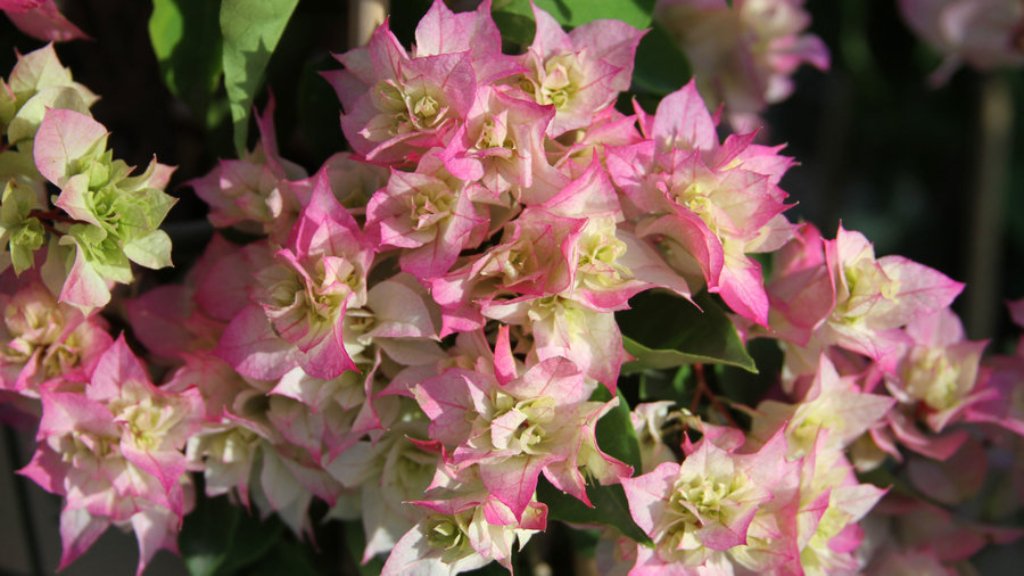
995, 134
51, 216
703, 390
364, 16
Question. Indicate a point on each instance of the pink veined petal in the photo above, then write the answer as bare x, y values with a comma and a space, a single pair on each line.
155, 529
251, 347
615, 42
44, 21
549, 38
65, 412
116, 366
63, 137
158, 318
504, 362
84, 288
79, 530
166, 467
683, 121
741, 285
328, 359
73, 199
921, 289
648, 493
513, 480
47, 469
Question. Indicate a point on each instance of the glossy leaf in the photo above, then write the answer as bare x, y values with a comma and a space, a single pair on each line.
219, 538
186, 39
664, 331
251, 30
615, 433
661, 67
291, 558
660, 385
515, 19
616, 436
355, 542
610, 508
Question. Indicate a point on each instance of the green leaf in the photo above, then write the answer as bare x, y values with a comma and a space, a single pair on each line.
515, 19
290, 558
355, 541
661, 67
662, 331
585, 542
25, 240
616, 436
186, 40
610, 508
102, 252
152, 251
251, 30
615, 432
142, 211
573, 13
660, 385
747, 388
26, 121
221, 539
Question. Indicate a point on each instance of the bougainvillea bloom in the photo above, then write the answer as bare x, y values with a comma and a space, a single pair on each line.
744, 52
984, 34
705, 204
114, 453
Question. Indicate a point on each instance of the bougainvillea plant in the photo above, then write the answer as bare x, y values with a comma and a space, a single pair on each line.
519, 300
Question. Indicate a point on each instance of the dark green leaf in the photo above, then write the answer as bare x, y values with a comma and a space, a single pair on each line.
219, 538
251, 31
616, 436
287, 558
186, 40
747, 388
664, 331
615, 433
610, 508
515, 19
659, 385
575, 12
661, 67
585, 541
355, 541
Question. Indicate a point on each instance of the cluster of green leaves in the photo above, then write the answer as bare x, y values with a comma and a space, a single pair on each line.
118, 215
22, 232
38, 83
107, 218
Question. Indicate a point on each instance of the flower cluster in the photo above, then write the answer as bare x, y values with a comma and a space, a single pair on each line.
109, 441
984, 34
422, 333
743, 52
